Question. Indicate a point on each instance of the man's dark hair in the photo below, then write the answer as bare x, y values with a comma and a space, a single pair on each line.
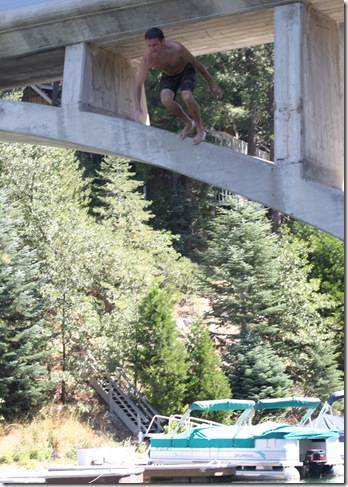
154, 33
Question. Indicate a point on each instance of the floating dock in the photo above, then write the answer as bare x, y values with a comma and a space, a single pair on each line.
113, 474
147, 473
78, 475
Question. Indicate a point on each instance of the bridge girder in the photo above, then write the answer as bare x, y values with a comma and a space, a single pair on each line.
281, 187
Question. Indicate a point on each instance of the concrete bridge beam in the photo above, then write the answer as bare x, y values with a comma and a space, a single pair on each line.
277, 186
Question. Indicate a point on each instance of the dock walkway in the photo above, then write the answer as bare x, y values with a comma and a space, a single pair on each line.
111, 474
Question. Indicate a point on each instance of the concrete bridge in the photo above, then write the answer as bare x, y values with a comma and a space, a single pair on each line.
94, 47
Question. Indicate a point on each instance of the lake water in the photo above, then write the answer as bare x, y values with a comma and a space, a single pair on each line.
313, 481
332, 480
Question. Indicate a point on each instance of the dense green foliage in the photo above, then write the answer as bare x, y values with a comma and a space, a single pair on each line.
305, 337
23, 375
326, 258
256, 371
242, 258
159, 356
263, 284
94, 270
205, 379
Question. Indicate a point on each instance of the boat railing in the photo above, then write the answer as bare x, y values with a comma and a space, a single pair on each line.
176, 422
186, 421
335, 396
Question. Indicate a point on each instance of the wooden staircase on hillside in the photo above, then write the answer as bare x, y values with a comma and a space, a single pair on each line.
127, 403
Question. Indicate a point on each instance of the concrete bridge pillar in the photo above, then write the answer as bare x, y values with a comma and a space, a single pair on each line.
95, 80
309, 93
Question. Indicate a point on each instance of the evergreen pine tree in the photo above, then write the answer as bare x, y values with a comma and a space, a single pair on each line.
23, 377
303, 328
242, 260
206, 378
148, 256
117, 199
326, 259
159, 356
320, 375
255, 371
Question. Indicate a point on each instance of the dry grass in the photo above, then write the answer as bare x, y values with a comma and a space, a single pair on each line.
51, 438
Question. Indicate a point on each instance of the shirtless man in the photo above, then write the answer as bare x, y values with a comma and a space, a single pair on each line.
178, 68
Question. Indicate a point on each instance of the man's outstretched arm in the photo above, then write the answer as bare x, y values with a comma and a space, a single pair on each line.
204, 72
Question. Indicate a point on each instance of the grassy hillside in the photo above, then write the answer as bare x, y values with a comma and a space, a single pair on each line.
55, 434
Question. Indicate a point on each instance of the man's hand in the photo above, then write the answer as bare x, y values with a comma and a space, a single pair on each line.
138, 115
215, 88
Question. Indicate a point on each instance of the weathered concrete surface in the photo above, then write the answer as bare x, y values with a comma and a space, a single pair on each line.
323, 90
98, 81
309, 93
51, 24
34, 33
276, 186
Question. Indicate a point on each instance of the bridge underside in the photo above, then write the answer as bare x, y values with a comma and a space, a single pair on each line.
94, 48
34, 33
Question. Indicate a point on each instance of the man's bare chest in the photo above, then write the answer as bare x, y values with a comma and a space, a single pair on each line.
170, 65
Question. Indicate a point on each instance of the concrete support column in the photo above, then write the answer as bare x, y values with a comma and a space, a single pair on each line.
98, 81
323, 91
77, 67
309, 93
288, 84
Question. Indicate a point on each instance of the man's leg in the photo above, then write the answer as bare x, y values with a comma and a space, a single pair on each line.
167, 98
195, 112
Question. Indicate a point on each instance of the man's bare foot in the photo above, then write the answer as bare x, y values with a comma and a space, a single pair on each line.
199, 137
186, 130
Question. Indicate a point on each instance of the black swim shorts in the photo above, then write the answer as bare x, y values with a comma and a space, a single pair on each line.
186, 80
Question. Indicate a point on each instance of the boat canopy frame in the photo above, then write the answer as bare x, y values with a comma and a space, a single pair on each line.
335, 396
220, 405
309, 403
249, 407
